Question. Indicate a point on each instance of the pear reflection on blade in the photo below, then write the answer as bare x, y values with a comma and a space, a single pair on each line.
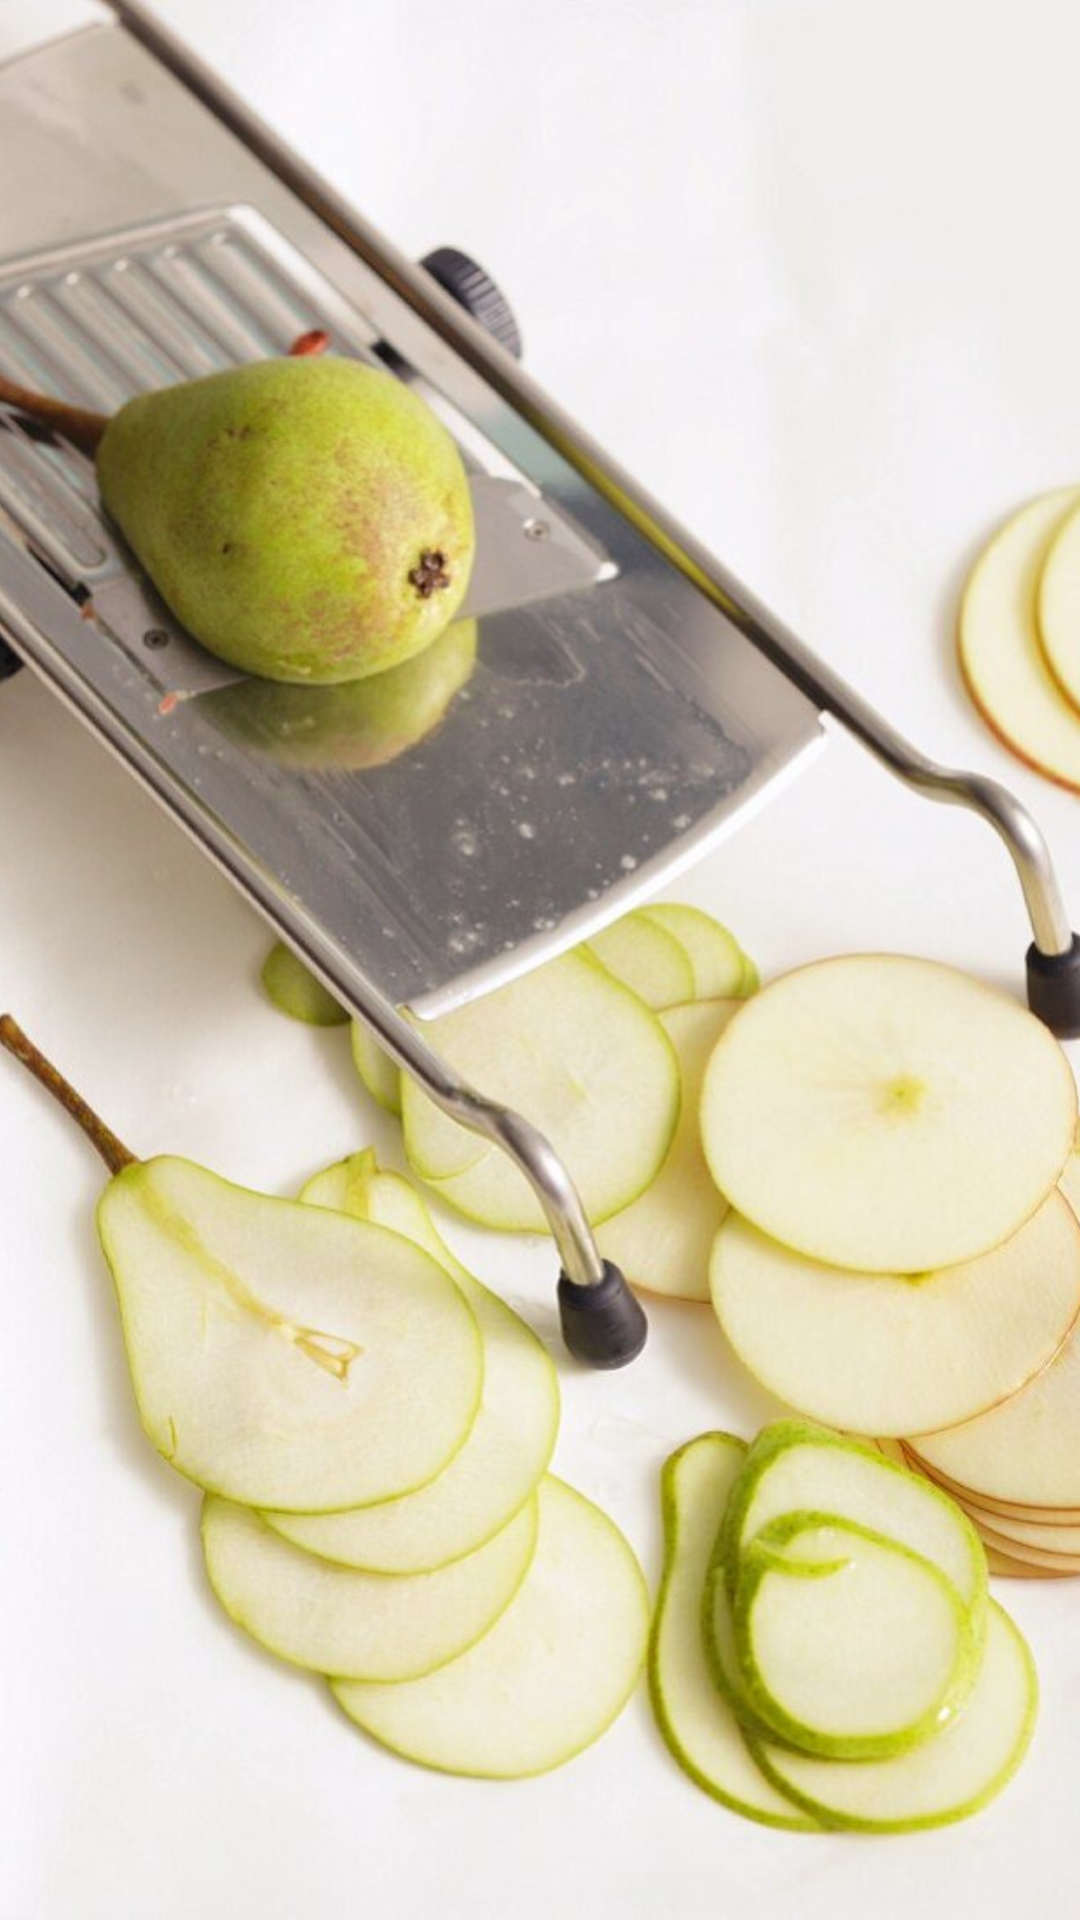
363, 723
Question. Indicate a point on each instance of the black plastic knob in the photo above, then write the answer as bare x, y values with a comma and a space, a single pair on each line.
9, 661
605, 1324
475, 290
1053, 985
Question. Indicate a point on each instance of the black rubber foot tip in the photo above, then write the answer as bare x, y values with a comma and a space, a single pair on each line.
1053, 989
603, 1325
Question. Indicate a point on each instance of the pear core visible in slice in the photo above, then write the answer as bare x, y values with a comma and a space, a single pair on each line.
892, 1355
1001, 655
380, 1075
851, 1646
797, 1468
282, 1356
721, 970
372, 1626
580, 1056
550, 1675
947, 1777
295, 991
698, 1725
854, 1111
1027, 1451
664, 1240
511, 1439
647, 959
1059, 605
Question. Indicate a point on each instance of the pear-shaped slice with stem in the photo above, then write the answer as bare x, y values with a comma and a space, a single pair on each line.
549, 1677
511, 1440
698, 1724
295, 991
280, 1355
664, 1241
372, 1626
894, 1354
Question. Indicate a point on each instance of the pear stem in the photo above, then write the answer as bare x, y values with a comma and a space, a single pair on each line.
77, 424
113, 1151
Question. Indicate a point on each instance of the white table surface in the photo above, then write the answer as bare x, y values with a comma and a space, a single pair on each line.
809, 267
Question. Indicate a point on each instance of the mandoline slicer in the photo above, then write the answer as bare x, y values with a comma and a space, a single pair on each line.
631, 702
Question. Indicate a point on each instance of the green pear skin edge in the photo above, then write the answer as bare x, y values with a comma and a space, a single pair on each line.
761, 1558
296, 992
673, 1577
380, 1074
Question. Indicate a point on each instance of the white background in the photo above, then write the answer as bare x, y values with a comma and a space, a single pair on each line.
809, 268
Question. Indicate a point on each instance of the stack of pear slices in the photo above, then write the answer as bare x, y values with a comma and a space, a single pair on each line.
1019, 635
623, 1026
824, 1651
372, 1430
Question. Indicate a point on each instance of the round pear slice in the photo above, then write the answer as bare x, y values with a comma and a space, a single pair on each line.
664, 1240
698, 1725
1003, 1566
647, 959
794, 1467
720, 968
1045, 1559
851, 1646
894, 1355
982, 1504
549, 1677
947, 1777
280, 1355
580, 1056
509, 1444
374, 1626
1025, 1452
1058, 612
853, 1110
380, 1075
1001, 655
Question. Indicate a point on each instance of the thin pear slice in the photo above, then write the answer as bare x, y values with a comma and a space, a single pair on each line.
794, 1467
647, 959
944, 1779
853, 1111
984, 1503
582, 1058
698, 1725
895, 1355
664, 1240
282, 1356
850, 1645
1045, 1559
720, 967
549, 1677
1001, 655
380, 1075
1027, 1451
1058, 606
1004, 1566
511, 1440
295, 991
372, 1626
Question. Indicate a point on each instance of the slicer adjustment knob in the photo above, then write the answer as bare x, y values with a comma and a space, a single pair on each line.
475, 290
9, 661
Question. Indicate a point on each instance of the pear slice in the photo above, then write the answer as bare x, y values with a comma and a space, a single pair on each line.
647, 959
1005, 1567
699, 1727
892, 1355
851, 1646
283, 1356
374, 1626
1001, 655
942, 1780
1045, 1559
1058, 606
509, 1444
580, 1056
1026, 1451
663, 1242
794, 1467
380, 1074
980, 1504
549, 1677
853, 1110
294, 990
720, 968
